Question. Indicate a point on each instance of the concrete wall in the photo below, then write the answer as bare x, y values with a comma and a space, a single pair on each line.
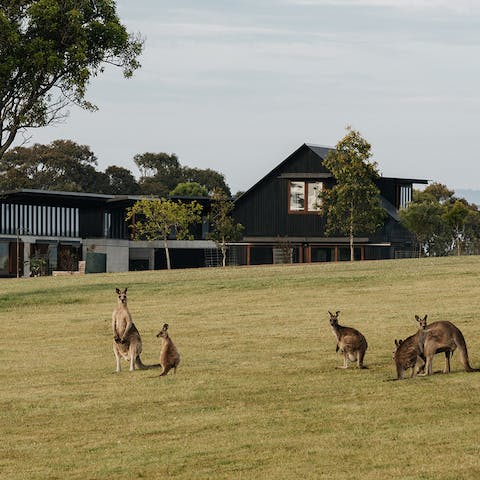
117, 252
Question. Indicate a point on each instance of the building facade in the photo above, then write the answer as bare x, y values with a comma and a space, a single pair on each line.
46, 231
280, 214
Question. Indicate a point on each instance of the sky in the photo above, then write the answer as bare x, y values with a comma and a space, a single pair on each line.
237, 86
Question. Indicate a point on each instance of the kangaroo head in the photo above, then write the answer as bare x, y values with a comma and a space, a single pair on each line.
422, 322
164, 331
122, 295
334, 318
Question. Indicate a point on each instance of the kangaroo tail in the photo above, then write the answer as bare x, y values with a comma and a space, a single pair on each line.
462, 347
141, 366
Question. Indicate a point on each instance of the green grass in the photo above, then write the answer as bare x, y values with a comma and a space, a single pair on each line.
257, 393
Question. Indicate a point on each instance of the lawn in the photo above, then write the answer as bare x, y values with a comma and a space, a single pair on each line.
257, 394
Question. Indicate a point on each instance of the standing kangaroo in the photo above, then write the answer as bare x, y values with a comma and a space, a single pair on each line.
127, 342
169, 356
444, 337
408, 353
352, 343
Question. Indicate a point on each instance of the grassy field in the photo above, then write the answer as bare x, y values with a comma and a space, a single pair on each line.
257, 394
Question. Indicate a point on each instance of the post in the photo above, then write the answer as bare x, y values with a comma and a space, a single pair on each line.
18, 253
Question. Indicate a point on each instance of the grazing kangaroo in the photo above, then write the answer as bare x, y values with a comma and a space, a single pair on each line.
408, 353
169, 356
352, 343
127, 342
444, 337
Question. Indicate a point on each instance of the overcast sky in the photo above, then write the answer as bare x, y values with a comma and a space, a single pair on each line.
239, 85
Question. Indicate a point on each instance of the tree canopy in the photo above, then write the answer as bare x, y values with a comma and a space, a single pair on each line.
352, 206
49, 52
62, 165
162, 172
68, 166
442, 223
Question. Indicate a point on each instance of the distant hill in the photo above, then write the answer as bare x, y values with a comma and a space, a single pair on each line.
473, 196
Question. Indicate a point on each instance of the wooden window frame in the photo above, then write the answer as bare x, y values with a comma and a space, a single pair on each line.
305, 210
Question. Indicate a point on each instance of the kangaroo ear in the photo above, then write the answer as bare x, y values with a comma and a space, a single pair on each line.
165, 326
417, 318
125, 291
396, 343
338, 311
117, 290
425, 318
331, 314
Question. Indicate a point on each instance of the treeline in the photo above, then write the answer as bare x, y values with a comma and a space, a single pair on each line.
66, 166
442, 223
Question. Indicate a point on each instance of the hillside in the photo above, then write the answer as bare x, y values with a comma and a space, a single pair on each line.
257, 393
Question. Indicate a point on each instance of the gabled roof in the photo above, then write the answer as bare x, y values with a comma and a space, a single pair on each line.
319, 150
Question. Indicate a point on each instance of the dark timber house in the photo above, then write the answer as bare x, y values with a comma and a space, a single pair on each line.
44, 231
282, 223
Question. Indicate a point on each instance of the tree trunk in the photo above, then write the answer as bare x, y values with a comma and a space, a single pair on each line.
224, 253
352, 253
167, 254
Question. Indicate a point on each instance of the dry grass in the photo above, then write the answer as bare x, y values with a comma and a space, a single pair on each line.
257, 394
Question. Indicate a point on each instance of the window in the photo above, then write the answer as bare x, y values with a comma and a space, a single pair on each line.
304, 196
405, 196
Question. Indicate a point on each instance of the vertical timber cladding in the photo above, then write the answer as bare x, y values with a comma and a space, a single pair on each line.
40, 220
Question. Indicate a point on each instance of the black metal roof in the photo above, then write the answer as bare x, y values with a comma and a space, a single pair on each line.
322, 151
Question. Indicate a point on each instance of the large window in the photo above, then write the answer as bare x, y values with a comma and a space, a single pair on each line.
304, 197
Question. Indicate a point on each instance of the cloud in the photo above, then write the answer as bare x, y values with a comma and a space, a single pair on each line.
458, 6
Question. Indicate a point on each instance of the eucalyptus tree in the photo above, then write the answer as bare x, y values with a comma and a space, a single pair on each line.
352, 206
49, 52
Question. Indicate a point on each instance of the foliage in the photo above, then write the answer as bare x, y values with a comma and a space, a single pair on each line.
442, 223
189, 189
352, 206
62, 165
158, 219
258, 395
162, 172
50, 50
121, 181
208, 178
223, 226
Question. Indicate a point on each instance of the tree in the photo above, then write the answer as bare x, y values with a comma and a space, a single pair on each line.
440, 192
160, 172
224, 228
208, 178
155, 219
62, 165
352, 206
189, 189
49, 52
455, 216
424, 219
121, 181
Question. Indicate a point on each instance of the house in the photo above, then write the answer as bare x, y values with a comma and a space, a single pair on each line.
43, 231
282, 222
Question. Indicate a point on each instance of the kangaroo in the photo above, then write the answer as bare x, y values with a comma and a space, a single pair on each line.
408, 353
169, 356
444, 337
127, 342
352, 343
